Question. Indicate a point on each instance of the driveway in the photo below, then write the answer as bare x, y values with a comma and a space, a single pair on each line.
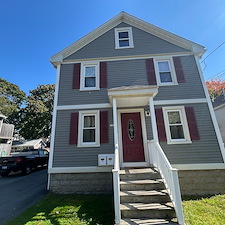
18, 192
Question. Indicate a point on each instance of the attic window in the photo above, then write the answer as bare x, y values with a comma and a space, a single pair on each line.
124, 38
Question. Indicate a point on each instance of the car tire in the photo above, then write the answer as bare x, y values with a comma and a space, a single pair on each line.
26, 170
5, 174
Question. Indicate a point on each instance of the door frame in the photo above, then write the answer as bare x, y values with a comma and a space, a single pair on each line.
144, 135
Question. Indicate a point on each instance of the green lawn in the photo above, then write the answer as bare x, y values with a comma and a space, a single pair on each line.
57, 209
205, 211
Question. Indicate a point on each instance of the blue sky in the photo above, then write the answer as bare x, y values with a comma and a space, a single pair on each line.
32, 31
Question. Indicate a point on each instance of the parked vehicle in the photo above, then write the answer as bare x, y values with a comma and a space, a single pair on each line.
23, 161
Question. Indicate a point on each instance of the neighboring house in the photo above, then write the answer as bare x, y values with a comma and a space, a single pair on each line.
219, 108
133, 92
6, 136
20, 145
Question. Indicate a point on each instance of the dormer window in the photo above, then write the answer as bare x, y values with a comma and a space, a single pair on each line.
124, 38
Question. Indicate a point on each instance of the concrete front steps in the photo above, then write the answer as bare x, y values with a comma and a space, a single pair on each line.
144, 198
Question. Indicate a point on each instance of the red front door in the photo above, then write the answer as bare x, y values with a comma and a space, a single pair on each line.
133, 149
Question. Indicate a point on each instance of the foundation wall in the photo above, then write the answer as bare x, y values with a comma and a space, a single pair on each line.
81, 183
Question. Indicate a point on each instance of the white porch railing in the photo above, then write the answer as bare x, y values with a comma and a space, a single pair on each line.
170, 176
116, 185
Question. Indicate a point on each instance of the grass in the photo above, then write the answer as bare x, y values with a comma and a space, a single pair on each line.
205, 211
55, 209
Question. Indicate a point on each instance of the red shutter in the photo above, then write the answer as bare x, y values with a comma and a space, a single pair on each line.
103, 74
76, 76
160, 124
104, 128
192, 124
179, 70
150, 71
73, 128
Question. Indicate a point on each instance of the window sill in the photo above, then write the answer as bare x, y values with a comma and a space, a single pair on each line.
167, 84
88, 145
89, 89
125, 47
178, 142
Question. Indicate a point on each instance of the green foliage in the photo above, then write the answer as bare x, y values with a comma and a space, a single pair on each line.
69, 209
36, 117
205, 211
11, 99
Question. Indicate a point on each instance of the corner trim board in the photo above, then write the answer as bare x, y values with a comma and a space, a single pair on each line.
92, 169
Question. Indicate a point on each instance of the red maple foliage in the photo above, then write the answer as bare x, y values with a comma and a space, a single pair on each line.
215, 87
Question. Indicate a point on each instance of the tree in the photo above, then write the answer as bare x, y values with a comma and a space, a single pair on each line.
11, 100
36, 117
215, 87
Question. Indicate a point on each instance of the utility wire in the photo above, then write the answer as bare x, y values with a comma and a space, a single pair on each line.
203, 61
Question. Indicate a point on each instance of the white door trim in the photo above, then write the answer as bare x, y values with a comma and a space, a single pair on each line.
144, 134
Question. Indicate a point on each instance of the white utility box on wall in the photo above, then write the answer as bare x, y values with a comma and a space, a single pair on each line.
106, 160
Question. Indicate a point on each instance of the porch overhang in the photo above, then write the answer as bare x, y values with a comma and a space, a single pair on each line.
132, 96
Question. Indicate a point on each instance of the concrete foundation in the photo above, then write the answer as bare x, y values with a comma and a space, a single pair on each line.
81, 183
202, 182
192, 182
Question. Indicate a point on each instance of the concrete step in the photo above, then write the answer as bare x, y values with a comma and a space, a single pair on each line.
147, 210
156, 184
151, 196
144, 221
139, 174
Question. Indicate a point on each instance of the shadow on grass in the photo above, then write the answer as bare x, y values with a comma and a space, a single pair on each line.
59, 209
196, 197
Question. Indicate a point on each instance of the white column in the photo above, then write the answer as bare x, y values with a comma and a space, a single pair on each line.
153, 120
115, 123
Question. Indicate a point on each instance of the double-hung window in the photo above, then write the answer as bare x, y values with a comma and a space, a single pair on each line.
176, 125
165, 72
89, 76
124, 38
88, 135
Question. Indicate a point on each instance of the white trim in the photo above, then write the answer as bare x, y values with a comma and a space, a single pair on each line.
108, 105
171, 67
200, 166
130, 37
121, 58
184, 124
144, 135
213, 116
86, 106
82, 114
82, 76
180, 101
54, 118
91, 169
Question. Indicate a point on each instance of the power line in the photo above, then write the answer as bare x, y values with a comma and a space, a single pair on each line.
203, 61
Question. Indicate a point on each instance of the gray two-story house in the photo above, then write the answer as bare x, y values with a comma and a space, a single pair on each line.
132, 95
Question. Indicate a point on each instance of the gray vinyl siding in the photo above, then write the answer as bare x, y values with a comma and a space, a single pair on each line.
129, 73
66, 155
144, 43
205, 150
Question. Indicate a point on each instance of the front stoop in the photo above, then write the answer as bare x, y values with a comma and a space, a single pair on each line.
144, 198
